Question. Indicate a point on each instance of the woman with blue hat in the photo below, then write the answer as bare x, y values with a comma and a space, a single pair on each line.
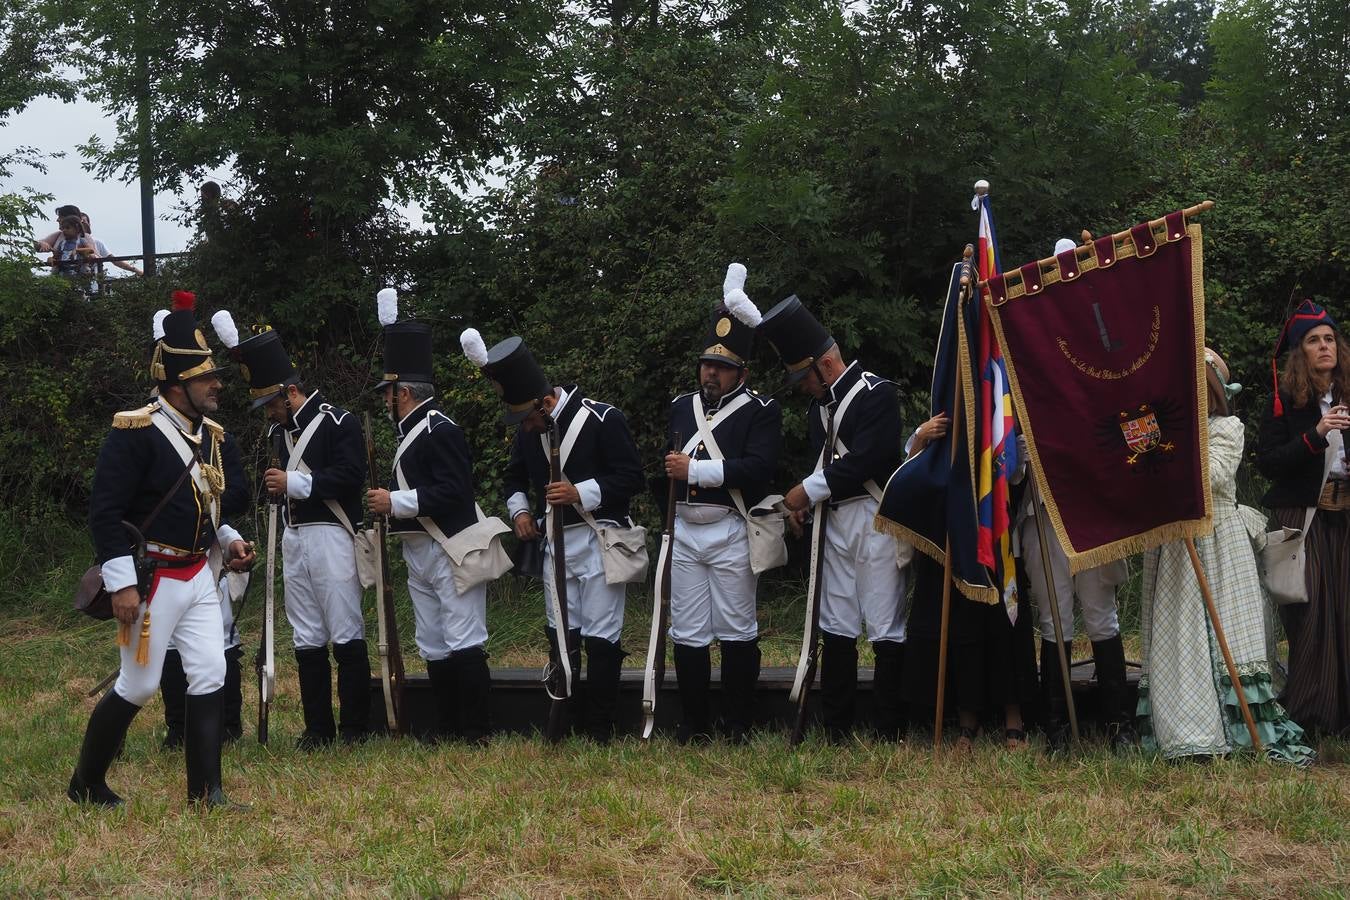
1302, 451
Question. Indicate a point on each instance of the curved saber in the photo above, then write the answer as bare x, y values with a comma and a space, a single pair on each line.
654, 674
386, 676
806, 660
267, 673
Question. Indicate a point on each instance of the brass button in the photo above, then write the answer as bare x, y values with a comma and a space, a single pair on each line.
693, 491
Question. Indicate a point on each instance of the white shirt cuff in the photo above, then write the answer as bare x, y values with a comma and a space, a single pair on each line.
909, 442
706, 472
299, 484
516, 504
226, 535
590, 493
404, 503
816, 487
119, 573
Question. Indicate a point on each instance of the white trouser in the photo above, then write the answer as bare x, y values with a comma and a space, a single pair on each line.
712, 589
592, 605
226, 613
188, 613
445, 620
1096, 593
323, 592
862, 581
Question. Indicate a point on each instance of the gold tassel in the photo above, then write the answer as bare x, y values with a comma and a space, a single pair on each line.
143, 649
123, 634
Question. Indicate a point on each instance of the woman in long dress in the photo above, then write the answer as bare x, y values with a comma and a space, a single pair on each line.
1187, 704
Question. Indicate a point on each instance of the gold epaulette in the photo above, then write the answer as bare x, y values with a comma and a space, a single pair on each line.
217, 430
134, 418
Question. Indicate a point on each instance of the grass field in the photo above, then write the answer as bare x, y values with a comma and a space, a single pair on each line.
519, 818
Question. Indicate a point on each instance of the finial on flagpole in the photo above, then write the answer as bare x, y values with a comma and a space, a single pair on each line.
981, 190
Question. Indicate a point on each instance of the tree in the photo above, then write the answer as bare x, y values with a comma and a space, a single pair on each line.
325, 114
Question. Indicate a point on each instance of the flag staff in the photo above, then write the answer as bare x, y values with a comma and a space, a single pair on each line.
1223, 644
981, 190
1064, 674
968, 279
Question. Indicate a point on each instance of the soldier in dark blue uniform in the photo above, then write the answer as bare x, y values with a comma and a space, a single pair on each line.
320, 473
601, 473
864, 583
714, 574
161, 469
234, 503
431, 499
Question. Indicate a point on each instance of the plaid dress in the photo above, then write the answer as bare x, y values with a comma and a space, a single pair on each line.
1187, 705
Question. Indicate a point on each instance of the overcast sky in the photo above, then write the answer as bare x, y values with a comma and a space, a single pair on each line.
114, 207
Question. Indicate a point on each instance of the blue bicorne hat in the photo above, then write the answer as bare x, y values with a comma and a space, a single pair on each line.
1306, 317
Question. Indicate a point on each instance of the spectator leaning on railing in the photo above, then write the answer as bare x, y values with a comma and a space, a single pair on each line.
72, 250
46, 244
101, 251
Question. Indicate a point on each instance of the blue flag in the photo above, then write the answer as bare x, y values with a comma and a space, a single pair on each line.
932, 496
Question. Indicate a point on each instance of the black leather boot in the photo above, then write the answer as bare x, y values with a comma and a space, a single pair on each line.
888, 710
1108, 657
838, 685
173, 690
441, 674
693, 676
740, 676
353, 690
473, 686
201, 749
234, 695
604, 663
1057, 731
102, 739
316, 698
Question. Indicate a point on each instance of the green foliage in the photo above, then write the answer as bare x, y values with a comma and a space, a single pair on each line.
589, 170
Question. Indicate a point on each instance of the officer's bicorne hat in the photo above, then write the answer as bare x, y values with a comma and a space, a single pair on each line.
729, 340
513, 371
407, 345
182, 353
796, 335
263, 361
1306, 317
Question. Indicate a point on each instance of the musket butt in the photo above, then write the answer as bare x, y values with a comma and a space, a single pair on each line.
1087, 236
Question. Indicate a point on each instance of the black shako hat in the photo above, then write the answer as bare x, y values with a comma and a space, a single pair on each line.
728, 339
265, 365
182, 353
799, 339
518, 378
407, 345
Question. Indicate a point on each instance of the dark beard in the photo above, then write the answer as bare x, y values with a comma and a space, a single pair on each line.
709, 397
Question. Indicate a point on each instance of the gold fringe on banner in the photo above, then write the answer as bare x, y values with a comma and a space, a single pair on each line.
1173, 531
1086, 254
976, 592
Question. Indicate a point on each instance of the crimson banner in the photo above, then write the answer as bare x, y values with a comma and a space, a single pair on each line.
1104, 347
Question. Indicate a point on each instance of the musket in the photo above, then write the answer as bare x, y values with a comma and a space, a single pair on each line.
558, 674
391, 656
810, 654
655, 672
266, 661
